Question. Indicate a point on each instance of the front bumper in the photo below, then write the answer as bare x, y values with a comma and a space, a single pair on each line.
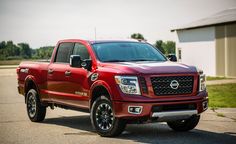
121, 108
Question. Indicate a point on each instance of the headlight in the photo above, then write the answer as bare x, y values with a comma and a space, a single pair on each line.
128, 84
202, 82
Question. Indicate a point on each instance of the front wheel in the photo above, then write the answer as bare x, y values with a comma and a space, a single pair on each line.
185, 125
36, 112
103, 119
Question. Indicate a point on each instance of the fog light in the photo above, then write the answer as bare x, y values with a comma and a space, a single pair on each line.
135, 109
205, 105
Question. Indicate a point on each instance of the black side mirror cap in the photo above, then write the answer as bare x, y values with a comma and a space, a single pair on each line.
75, 61
172, 57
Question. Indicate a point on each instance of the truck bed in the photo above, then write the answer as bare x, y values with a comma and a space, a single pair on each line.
36, 69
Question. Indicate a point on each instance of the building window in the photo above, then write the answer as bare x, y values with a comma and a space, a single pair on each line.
179, 54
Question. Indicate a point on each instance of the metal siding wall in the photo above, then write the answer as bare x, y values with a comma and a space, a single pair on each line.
231, 50
220, 50
198, 48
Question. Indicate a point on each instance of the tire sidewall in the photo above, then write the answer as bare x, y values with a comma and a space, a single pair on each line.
95, 105
189, 124
35, 94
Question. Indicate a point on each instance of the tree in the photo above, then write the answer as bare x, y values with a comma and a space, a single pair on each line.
159, 45
2, 44
2, 50
25, 50
169, 47
44, 52
9, 50
137, 36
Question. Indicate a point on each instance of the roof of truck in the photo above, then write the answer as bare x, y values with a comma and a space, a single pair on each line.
113, 40
102, 40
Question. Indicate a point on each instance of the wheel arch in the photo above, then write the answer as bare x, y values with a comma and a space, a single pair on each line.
30, 82
98, 88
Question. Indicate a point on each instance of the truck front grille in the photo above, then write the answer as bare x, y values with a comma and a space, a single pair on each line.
172, 85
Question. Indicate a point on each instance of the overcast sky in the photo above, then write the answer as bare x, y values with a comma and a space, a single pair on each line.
44, 22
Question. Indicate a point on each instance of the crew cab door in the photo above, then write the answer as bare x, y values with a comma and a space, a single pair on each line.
78, 86
57, 73
68, 85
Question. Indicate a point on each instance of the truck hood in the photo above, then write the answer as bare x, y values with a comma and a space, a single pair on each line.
149, 67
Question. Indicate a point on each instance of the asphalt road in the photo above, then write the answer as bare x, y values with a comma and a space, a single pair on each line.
65, 126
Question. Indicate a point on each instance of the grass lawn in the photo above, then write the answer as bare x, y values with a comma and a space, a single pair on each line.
10, 62
216, 78
222, 95
15, 62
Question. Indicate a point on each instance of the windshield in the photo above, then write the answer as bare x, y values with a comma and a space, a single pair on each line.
126, 51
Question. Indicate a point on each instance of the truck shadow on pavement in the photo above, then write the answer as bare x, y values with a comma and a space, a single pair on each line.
146, 133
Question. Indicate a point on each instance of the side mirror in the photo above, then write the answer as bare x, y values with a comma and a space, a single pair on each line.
75, 61
87, 64
172, 57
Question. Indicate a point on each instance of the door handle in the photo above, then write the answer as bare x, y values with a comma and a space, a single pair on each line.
50, 71
67, 73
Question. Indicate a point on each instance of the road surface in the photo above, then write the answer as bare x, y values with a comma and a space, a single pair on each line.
66, 126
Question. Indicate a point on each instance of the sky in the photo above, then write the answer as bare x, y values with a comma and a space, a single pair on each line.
44, 22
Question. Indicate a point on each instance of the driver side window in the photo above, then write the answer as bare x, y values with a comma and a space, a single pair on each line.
80, 49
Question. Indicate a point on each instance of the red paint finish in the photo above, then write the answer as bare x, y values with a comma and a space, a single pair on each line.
121, 106
76, 90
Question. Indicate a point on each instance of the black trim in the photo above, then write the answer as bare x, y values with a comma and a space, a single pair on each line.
174, 107
64, 106
143, 85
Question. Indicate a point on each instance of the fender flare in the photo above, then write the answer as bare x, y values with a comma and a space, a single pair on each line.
99, 83
27, 80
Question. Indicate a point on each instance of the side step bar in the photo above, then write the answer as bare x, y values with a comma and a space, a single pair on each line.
174, 115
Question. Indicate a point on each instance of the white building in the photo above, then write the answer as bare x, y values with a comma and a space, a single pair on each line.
210, 44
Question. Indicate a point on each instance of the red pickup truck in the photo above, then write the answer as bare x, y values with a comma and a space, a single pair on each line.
118, 82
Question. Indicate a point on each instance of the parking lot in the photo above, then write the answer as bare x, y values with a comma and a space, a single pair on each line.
66, 126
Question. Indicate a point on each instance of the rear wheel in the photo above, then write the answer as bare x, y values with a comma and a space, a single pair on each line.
103, 119
185, 125
36, 112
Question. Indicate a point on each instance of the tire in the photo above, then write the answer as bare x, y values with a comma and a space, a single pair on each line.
36, 112
103, 119
185, 125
